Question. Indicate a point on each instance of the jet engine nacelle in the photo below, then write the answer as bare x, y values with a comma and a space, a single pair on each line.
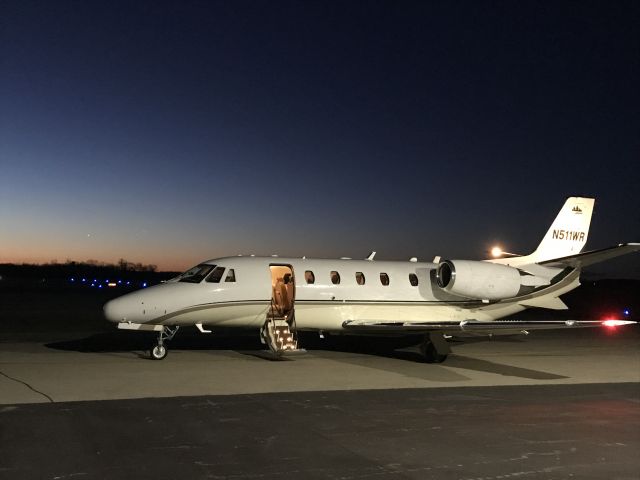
481, 280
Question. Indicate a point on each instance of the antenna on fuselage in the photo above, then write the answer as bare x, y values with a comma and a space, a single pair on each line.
370, 257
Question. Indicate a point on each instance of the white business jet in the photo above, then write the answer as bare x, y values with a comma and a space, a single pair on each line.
281, 296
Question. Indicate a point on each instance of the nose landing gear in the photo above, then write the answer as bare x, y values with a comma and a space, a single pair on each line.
159, 351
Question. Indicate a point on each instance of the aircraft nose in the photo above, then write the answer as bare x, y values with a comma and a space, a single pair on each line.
116, 310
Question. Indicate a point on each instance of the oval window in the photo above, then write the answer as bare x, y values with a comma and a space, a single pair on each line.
384, 279
360, 278
335, 277
413, 279
310, 277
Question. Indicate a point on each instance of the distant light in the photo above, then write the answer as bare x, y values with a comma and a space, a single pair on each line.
106, 281
100, 286
72, 279
112, 284
93, 284
84, 280
498, 252
144, 285
119, 282
626, 311
128, 283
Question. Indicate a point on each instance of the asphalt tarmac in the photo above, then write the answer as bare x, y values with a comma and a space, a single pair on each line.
589, 431
114, 365
86, 403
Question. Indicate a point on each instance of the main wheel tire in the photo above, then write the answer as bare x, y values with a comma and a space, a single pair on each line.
430, 354
158, 352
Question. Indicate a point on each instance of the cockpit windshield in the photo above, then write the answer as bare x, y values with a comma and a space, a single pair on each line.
196, 274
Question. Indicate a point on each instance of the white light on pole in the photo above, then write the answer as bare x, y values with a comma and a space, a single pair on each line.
497, 252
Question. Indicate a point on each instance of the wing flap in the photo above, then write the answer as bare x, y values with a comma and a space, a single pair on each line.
595, 256
543, 301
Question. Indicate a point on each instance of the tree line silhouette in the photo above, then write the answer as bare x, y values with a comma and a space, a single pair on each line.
89, 268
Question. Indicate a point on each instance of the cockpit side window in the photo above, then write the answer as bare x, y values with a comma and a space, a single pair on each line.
231, 276
196, 274
216, 275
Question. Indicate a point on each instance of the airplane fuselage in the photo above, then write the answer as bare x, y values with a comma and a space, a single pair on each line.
363, 290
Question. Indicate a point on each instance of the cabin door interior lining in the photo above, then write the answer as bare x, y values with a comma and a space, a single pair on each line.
283, 290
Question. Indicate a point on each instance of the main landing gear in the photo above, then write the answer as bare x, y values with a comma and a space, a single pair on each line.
159, 351
434, 348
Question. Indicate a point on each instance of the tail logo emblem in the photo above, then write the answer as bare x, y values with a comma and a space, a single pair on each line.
577, 210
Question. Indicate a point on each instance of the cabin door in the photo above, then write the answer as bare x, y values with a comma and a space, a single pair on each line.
279, 329
283, 290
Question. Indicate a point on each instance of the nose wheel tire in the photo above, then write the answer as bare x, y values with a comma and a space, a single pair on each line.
158, 352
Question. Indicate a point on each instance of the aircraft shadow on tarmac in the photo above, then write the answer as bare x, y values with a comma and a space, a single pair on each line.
136, 342
190, 339
436, 372
478, 365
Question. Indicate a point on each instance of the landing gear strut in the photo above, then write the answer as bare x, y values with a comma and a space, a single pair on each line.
159, 351
434, 348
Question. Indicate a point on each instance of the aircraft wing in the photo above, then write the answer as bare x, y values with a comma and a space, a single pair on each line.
589, 258
474, 327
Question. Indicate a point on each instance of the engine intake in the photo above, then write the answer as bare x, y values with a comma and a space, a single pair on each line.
479, 280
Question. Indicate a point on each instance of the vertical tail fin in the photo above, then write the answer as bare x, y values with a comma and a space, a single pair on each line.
568, 233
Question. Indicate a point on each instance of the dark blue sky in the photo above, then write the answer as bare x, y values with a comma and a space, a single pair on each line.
171, 132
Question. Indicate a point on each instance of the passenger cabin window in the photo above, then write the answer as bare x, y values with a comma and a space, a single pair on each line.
360, 278
231, 276
384, 279
216, 275
413, 279
335, 277
196, 274
309, 277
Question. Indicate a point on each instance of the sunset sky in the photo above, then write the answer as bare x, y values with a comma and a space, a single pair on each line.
172, 132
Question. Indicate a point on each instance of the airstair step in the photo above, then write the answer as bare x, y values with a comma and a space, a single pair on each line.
293, 352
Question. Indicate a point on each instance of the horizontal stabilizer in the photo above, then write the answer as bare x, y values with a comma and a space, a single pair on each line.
589, 258
474, 327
